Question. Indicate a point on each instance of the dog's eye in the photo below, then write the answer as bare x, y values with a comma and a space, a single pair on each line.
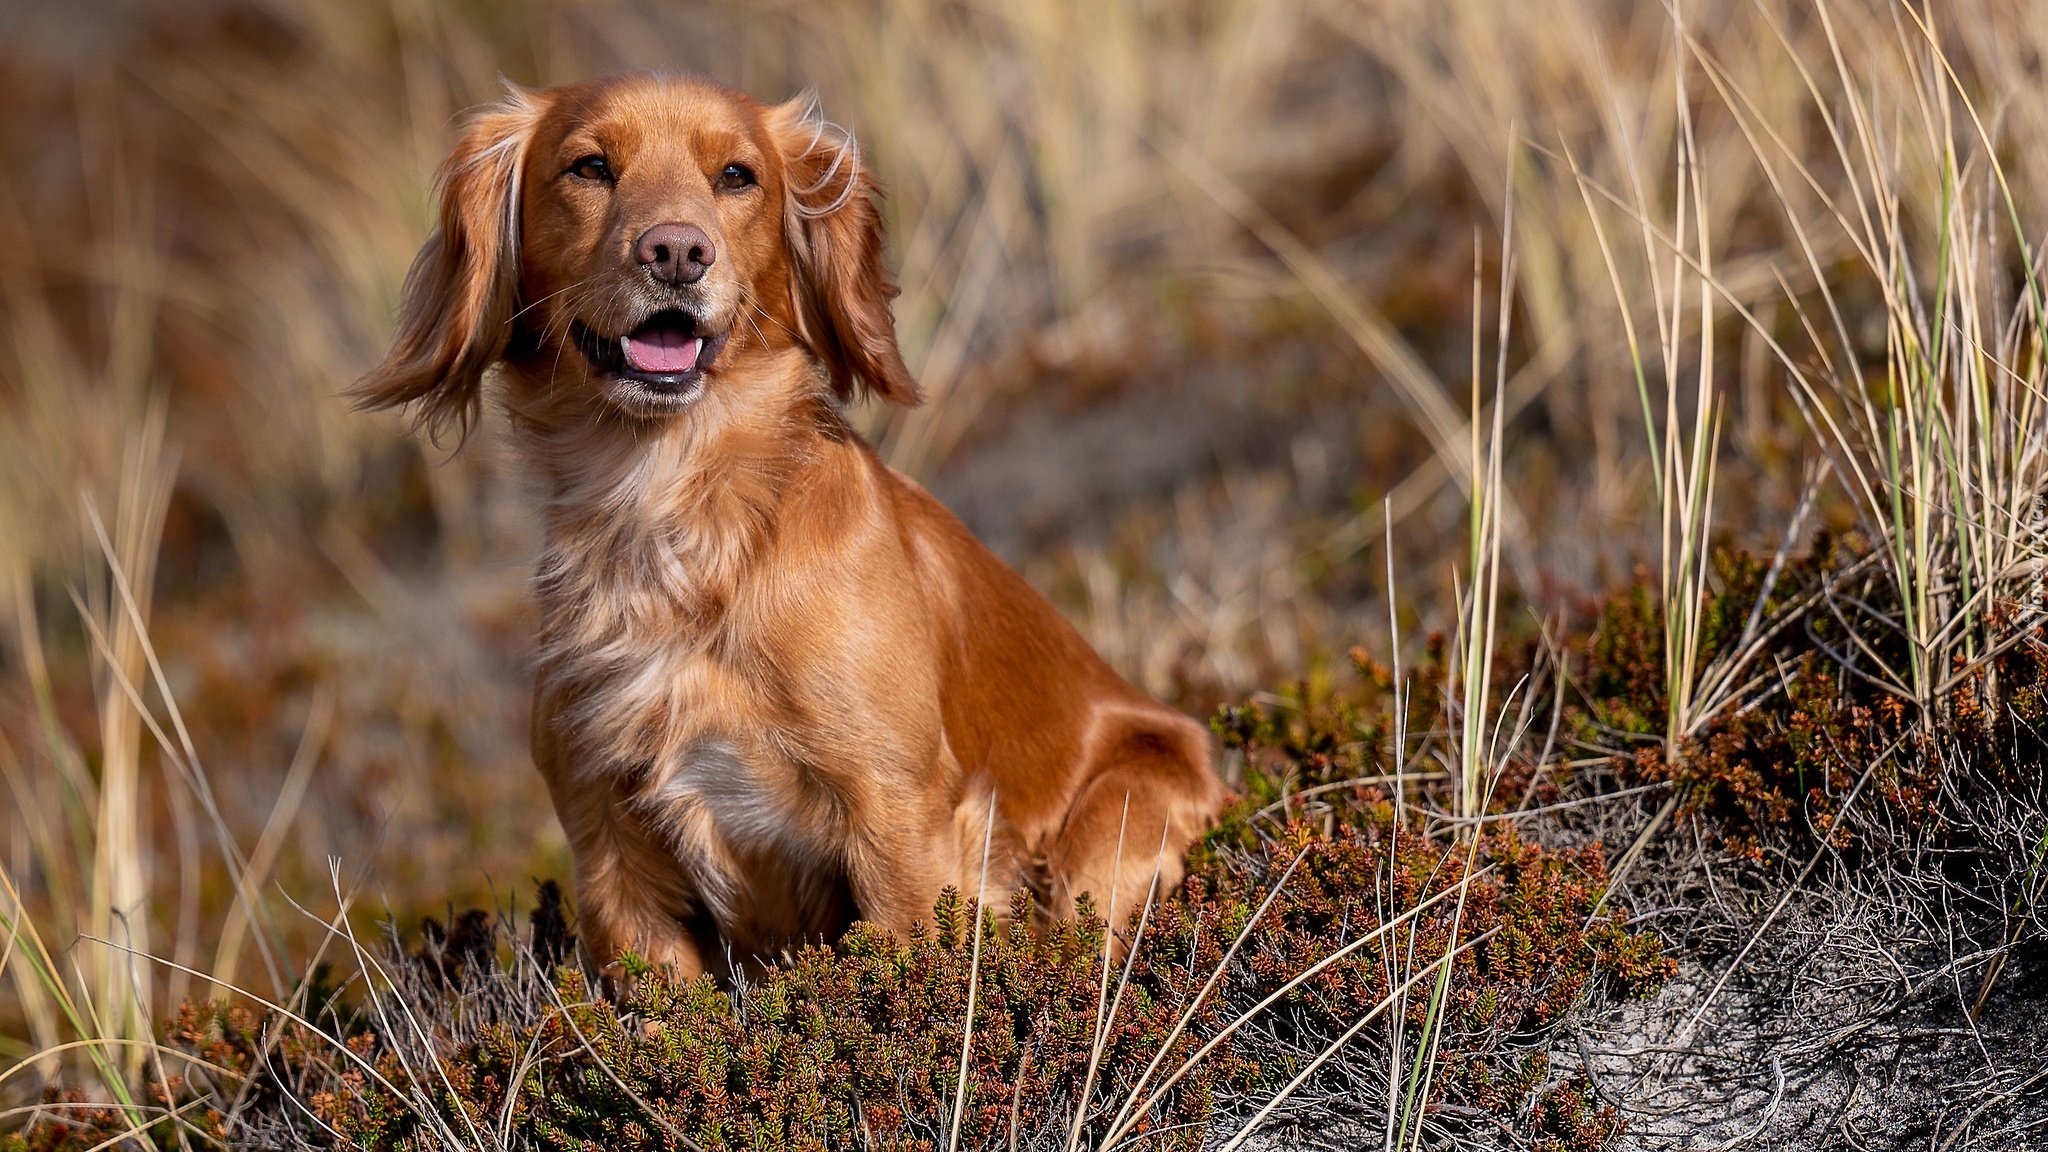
736, 177
591, 167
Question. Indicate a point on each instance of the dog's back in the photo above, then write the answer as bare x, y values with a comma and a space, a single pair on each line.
1062, 738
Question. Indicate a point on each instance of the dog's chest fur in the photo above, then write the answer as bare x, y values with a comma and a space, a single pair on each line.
657, 680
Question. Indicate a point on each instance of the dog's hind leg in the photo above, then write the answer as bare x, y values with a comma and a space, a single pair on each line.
1149, 795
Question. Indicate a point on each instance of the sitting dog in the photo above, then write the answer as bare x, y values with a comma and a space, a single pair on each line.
779, 686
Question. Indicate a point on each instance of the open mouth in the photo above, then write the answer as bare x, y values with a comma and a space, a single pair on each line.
666, 356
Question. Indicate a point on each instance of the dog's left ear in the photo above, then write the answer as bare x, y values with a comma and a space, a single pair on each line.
834, 233
462, 293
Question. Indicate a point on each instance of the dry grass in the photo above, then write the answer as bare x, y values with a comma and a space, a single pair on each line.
1189, 285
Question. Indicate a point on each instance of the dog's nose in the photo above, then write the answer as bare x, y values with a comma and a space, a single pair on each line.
676, 253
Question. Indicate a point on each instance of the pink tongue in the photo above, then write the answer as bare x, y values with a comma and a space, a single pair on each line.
662, 351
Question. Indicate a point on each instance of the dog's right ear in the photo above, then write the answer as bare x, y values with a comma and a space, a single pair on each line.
841, 288
463, 291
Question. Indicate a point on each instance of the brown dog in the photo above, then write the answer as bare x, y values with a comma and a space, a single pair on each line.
779, 684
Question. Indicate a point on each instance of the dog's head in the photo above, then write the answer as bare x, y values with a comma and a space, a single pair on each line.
634, 241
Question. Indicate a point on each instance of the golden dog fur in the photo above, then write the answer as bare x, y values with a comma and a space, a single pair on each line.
778, 684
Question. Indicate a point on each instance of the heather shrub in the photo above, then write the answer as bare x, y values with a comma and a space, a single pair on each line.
859, 1044
1770, 774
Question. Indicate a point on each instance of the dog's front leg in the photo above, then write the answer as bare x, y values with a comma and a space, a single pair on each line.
897, 872
631, 893
906, 847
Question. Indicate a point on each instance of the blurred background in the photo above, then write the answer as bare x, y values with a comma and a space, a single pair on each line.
1198, 290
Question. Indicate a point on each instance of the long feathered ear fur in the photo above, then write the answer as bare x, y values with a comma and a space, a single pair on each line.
462, 293
834, 232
